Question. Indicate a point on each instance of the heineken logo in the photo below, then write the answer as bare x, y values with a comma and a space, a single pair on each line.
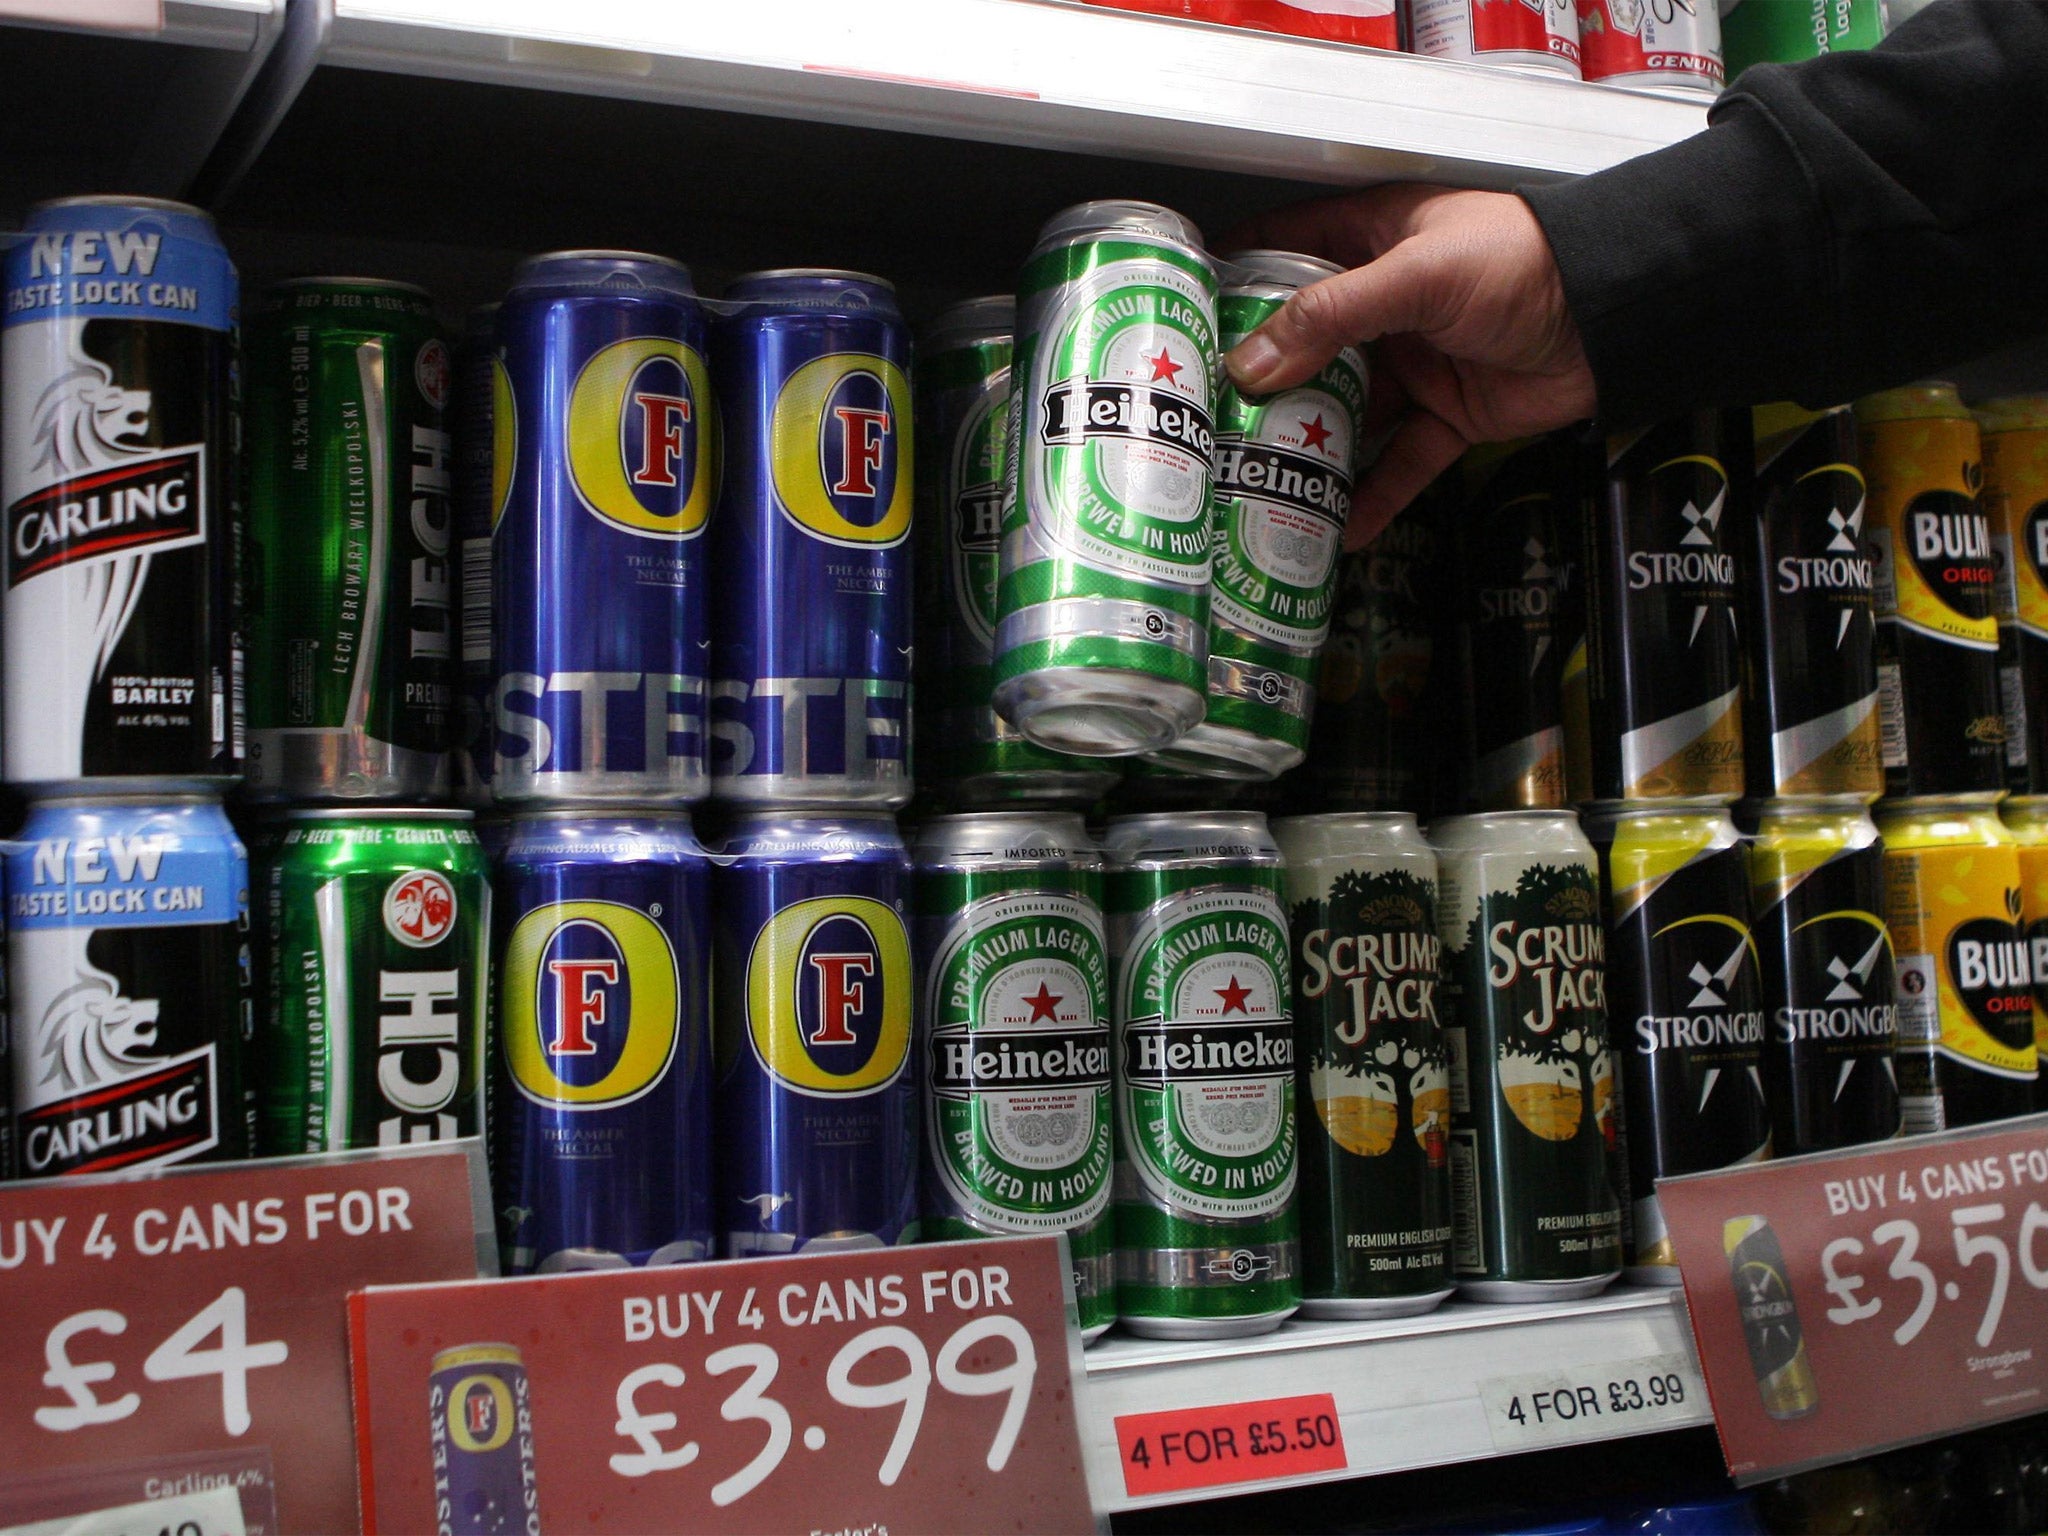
1266, 473
1077, 412
987, 1060
1161, 1053
978, 518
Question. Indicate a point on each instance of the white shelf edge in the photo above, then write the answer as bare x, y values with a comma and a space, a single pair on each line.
236, 26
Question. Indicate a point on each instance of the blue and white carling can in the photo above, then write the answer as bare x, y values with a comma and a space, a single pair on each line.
604, 992
605, 463
817, 1103
810, 697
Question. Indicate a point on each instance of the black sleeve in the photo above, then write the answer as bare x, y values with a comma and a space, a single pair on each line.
1843, 225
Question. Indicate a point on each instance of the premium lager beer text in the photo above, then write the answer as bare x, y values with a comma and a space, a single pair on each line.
1770, 1318
480, 1408
2015, 437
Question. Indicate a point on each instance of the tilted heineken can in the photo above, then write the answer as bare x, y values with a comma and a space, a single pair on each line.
1373, 1068
1102, 609
1201, 995
1283, 492
1770, 1317
1015, 1006
2014, 432
353, 601
479, 382
2027, 819
480, 1407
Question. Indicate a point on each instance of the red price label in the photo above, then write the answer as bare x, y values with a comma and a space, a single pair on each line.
1229, 1443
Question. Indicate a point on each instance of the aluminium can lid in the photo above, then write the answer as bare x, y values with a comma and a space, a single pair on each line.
117, 200
1278, 269
605, 271
1120, 216
990, 318
377, 813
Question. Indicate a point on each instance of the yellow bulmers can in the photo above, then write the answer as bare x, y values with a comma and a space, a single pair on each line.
2027, 819
2015, 433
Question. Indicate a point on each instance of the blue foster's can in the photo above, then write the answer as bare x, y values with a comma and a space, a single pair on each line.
480, 1408
604, 462
811, 642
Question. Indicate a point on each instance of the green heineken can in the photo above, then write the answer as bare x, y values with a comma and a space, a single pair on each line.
354, 642
1205, 1223
378, 949
1018, 1120
1283, 491
1102, 609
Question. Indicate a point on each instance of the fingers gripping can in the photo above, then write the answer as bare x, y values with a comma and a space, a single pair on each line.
2027, 819
1103, 603
481, 1408
1206, 1236
2015, 438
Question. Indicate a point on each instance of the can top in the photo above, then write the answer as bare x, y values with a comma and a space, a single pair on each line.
480, 319
2014, 413
1119, 216
116, 200
991, 318
1853, 804
1275, 269
1337, 821
1934, 821
165, 797
1929, 399
379, 284
475, 1354
979, 838
1480, 831
822, 835
829, 290
614, 272
1189, 837
1916, 805
2027, 815
375, 813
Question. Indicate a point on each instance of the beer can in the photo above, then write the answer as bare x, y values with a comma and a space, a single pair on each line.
1684, 996
118, 471
10, 1166
604, 429
1372, 1065
480, 1405
817, 1097
601, 1117
1831, 1020
978, 757
128, 958
2014, 432
1671, 50
1542, 38
1102, 606
1966, 1001
1942, 721
479, 382
1770, 1317
1015, 1001
378, 934
1773, 31
2027, 819
1582, 483
1283, 493
352, 605
1534, 1214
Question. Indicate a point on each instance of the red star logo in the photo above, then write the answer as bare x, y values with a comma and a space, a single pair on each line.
1164, 367
1313, 433
1233, 996
1044, 1004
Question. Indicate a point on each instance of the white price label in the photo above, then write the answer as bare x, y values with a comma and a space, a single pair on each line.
1593, 1403
212, 1512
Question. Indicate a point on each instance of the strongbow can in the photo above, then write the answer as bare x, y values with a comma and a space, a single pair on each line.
1015, 1005
1770, 1317
478, 382
1541, 36
481, 1410
117, 470
1102, 627
604, 431
2015, 438
1674, 50
2027, 819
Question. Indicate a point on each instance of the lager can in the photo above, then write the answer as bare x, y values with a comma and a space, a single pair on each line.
9, 1164
811, 639
352, 609
2015, 437
817, 1096
1669, 50
378, 941
2027, 819
1283, 492
1541, 38
601, 1114
1205, 1220
479, 382
481, 1411
1684, 993
128, 955
603, 428
1018, 1116
1831, 1020
1764, 31
1533, 1097
1371, 1063
117, 468
1966, 1001
1102, 606
1770, 1317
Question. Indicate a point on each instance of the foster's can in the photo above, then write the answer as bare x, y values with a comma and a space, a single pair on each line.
481, 1423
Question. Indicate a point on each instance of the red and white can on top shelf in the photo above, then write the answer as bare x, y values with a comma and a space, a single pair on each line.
1668, 46
1535, 35
1371, 23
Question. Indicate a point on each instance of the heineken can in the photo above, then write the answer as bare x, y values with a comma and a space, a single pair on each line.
1371, 1063
1102, 607
353, 598
2027, 820
1015, 1003
1534, 1214
1770, 1317
1205, 1221
479, 382
480, 1407
379, 932
1283, 492
2014, 432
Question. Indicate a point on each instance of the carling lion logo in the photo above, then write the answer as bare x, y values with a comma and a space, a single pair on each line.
83, 418
91, 1034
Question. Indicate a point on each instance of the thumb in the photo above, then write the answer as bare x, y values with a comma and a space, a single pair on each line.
1394, 293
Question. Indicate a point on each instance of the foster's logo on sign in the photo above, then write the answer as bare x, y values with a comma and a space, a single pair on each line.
840, 446
592, 1004
828, 995
641, 438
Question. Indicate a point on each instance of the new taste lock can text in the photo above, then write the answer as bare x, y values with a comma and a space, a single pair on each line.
480, 1406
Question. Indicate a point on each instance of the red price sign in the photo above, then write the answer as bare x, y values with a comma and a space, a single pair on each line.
1229, 1443
1818, 1284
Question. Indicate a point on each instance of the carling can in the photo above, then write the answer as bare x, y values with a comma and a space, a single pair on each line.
1372, 1076
811, 638
128, 959
2027, 819
601, 1106
1535, 35
1673, 50
352, 601
1102, 606
2014, 432
117, 469
1775, 31
1205, 1220
378, 933
1685, 999
1015, 1004
1810, 693
1533, 1098
817, 1095
604, 430
975, 755
480, 381
480, 1407
1770, 1317
1965, 980
1831, 1019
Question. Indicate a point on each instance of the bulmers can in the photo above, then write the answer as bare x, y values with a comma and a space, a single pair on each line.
476, 385
480, 1406
2015, 437
2027, 819
117, 470
1674, 50
1534, 35
1373, 1085
1770, 1317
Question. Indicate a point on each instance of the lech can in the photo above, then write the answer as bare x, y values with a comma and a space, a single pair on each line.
1102, 606
605, 431
128, 957
602, 1106
378, 932
353, 600
117, 468
479, 383
1201, 994
1015, 1000
2014, 432
1534, 1214
1672, 50
1535, 36
1770, 1317
480, 1407
817, 1093
1372, 1067
2027, 819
